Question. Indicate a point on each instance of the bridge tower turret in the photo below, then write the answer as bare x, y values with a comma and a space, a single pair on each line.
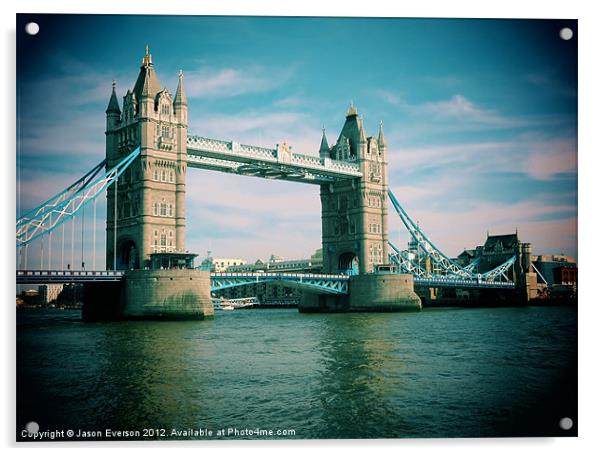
354, 212
150, 193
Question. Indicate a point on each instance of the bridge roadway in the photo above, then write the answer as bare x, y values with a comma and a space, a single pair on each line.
278, 163
327, 283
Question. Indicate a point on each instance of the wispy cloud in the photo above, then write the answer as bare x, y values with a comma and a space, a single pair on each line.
545, 159
458, 110
548, 81
458, 107
554, 226
230, 82
540, 158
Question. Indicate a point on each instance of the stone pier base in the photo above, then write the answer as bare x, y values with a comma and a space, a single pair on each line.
170, 294
368, 293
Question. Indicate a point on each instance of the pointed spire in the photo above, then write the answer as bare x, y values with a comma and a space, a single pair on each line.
324, 149
147, 59
147, 83
352, 111
381, 135
180, 94
362, 131
113, 106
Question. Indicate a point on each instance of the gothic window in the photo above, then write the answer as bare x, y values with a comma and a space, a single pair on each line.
165, 131
155, 209
163, 209
171, 177
169, 207
156, 175
162, 176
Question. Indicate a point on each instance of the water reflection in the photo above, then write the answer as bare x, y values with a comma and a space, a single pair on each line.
469, 372
358, 357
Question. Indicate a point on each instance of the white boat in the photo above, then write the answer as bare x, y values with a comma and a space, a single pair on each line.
231, 304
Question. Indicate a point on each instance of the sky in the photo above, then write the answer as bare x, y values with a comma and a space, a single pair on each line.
480, 118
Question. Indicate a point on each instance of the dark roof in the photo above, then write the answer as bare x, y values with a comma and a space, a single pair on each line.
468, 252
147, 82
507, 241
113, 106
324, 144
351, 131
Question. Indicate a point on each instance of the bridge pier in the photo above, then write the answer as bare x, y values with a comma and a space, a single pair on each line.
368, 293
169, 294
162, 294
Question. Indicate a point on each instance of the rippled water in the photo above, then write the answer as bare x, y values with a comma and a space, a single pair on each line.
435, 373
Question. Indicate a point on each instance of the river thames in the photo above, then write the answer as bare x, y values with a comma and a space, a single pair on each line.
447, 372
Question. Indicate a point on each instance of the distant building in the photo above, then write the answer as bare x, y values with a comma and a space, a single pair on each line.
496, 250
49, 292
466, 257
30, 297
278, 263
271, 293
555, 269
565, 275
221, 264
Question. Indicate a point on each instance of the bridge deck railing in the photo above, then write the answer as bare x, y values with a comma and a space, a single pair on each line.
68, 272
279, 274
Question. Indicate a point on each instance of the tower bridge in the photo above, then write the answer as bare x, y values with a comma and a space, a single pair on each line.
149, 151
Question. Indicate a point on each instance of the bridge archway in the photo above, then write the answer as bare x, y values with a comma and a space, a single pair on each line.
349, 263
127, 255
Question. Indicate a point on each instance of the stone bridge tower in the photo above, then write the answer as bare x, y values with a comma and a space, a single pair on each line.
150, 193
354, 212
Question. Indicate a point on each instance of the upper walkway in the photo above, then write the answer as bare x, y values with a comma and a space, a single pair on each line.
278, 163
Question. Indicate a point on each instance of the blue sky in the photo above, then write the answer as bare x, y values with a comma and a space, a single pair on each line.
480, 117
